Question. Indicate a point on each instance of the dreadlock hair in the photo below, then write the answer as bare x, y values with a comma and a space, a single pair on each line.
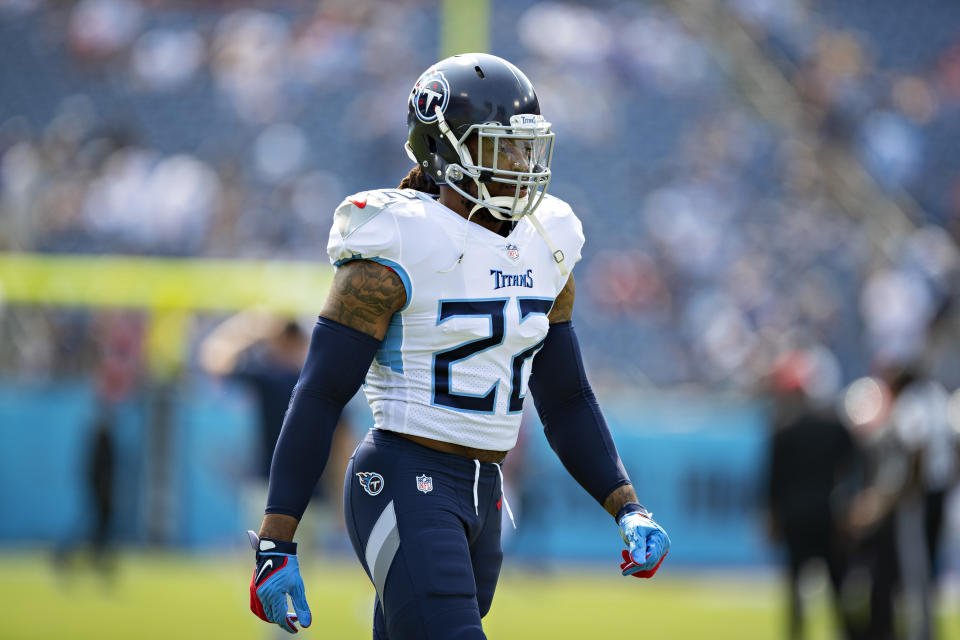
418, 181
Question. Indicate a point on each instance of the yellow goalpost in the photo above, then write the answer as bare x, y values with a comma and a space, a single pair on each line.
169, 289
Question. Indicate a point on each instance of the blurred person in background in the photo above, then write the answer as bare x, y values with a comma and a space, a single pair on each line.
101, 470
264, 352
449, 285
883, 474
811, 456
902, 422
117, 378
99, 473
920, 417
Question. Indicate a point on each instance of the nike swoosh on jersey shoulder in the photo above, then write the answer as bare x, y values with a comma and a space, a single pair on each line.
360, 208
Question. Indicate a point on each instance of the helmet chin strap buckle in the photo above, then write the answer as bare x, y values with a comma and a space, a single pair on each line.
557, 253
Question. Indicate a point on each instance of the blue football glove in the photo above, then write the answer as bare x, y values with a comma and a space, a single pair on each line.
276, 576
647, 541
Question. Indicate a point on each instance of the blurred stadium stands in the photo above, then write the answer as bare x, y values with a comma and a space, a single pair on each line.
714, 236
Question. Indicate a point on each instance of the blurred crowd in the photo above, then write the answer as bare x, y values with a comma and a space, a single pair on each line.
713, 243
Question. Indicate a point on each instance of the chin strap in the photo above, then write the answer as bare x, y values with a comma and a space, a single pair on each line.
508, 201
557, 254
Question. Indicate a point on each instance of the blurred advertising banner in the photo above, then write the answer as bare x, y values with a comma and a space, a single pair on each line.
697, 464
48, 467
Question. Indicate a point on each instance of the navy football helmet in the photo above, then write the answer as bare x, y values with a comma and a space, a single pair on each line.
478, 93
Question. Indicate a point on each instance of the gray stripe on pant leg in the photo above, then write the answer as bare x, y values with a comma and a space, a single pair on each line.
384, 560
382, 546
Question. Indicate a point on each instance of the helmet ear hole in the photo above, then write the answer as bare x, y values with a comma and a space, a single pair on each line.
443, 149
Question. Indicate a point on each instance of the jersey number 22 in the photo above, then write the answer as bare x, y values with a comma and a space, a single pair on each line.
494, 309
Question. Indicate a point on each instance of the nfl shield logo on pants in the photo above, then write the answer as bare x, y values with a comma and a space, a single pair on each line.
425, 483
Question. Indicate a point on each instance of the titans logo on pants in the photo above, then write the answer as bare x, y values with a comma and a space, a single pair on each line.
371, 482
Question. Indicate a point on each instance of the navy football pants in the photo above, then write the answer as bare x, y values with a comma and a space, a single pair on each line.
433, 558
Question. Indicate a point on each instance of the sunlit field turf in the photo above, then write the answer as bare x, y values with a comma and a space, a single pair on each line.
174, 596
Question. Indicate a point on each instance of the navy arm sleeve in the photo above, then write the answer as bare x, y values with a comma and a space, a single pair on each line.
335, 367
571, 417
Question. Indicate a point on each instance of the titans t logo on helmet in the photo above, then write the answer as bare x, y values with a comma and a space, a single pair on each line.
432, 90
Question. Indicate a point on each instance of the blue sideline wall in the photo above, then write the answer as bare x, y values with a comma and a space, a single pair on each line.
697, 463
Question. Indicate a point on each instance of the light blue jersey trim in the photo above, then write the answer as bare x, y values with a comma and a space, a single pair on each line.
390, 353
400, 271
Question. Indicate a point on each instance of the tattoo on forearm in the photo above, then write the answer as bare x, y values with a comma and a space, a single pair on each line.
364, 296
563, 306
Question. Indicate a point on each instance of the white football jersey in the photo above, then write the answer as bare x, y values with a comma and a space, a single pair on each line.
456, 359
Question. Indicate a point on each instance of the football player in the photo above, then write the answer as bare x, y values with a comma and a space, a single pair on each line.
452, 297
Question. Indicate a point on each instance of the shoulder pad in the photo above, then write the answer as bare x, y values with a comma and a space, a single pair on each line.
358, 209
360, 231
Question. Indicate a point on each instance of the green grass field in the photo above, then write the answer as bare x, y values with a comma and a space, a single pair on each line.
167, 596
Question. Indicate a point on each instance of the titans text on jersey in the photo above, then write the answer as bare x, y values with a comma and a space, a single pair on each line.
501, 279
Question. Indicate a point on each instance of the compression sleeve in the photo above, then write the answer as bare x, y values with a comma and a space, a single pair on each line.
335, 367
571, 417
